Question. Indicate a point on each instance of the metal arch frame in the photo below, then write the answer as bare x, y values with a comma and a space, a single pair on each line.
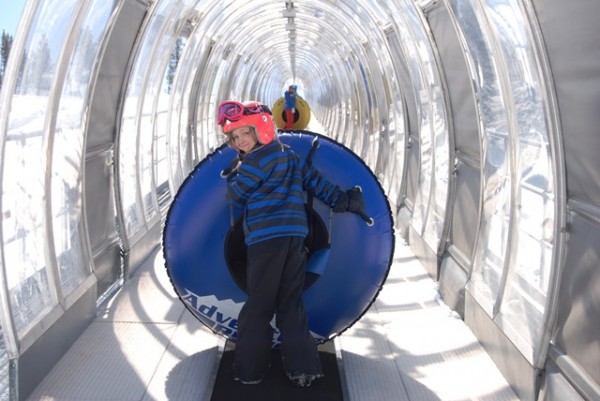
50, 126
540, 350
121, 227
560, 191
18, 49
419, 21
129, 238
426, 7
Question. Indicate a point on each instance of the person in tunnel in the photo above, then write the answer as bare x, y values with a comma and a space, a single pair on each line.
290, 106
267, 181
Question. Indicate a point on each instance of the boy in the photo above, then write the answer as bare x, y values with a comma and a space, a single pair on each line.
267, 182
290, 106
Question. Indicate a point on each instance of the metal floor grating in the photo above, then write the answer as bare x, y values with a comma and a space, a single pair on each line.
144, 345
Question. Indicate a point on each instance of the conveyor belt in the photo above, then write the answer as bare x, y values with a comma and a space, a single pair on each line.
275, 386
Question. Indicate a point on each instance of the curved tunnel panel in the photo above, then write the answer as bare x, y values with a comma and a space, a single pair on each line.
204, 252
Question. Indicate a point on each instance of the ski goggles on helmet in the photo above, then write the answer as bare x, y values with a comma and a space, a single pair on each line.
234, 111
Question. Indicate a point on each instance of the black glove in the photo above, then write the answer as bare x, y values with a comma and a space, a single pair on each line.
230, 172
341, 205
356, 202
350, 201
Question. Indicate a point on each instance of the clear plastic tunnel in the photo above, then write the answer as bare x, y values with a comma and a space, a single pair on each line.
478, 118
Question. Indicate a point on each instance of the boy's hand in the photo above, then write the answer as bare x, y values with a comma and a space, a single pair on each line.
350, 201
231, 171
356, 202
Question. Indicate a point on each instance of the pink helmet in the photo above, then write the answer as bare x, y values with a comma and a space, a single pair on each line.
232, 115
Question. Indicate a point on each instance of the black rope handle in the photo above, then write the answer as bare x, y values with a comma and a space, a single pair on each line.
367, 219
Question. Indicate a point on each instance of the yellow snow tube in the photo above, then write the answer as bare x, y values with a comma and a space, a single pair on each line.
301, 115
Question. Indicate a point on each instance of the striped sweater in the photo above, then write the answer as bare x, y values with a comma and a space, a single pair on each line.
269, 187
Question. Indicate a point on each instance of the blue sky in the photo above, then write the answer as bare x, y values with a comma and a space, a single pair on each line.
10, 14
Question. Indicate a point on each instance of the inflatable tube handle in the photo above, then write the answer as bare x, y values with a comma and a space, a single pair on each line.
367, 219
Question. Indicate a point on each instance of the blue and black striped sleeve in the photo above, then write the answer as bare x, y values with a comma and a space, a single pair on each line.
322, 189
241, 187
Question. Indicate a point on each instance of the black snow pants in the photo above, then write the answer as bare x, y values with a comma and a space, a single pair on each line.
275, 280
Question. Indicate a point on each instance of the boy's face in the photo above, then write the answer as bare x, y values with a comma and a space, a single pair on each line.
244, 138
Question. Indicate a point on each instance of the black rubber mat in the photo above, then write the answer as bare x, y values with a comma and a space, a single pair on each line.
275, 386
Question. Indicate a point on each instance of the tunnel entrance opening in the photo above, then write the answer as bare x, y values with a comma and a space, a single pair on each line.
316, 241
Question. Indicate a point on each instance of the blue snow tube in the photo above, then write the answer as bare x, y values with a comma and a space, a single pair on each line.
349, 257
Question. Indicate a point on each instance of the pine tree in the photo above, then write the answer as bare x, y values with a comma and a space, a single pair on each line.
173, 62
5, 46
